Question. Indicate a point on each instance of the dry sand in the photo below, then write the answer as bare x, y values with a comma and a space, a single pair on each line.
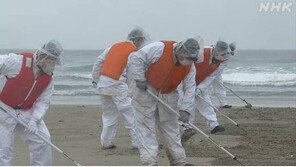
269, 139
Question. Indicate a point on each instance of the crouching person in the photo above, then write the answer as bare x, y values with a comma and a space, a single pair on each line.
207, 73
160, 67
26, 88
109, 72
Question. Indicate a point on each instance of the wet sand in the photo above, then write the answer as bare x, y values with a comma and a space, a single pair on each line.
268, 138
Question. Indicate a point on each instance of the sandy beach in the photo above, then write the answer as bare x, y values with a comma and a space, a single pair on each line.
268, 138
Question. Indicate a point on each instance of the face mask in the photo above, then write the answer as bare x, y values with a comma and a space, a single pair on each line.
139, 42
222, 57
49, 69
46, 66
182, 60
185, 62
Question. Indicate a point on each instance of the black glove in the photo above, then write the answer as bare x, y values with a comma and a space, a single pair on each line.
142, 85
94, 84
184, 116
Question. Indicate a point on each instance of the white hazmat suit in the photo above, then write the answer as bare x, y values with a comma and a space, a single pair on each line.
40, 152
206, 87
115, 103
151, 114
218, 90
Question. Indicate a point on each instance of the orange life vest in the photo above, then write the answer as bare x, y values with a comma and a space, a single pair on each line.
22, 91
206, 67
164, 75
116, 59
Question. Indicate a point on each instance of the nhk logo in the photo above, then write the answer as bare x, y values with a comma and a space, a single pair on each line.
275, 7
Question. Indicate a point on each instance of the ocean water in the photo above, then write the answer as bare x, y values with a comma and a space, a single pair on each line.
262, 77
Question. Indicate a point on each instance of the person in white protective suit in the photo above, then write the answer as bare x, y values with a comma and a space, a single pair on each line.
160, 67
217, 89
26, 88
215, 60
110, 76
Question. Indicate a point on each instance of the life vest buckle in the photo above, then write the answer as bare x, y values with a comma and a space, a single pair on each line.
18, 107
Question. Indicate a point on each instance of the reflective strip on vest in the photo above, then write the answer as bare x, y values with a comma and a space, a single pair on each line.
116, 59
206, 67
22, 91
164, 75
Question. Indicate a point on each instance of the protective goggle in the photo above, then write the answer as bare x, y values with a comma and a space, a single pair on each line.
138, 39
48, 58
187, 55
224, 54
47, 55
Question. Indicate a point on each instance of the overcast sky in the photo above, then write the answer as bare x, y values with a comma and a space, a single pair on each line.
96, 24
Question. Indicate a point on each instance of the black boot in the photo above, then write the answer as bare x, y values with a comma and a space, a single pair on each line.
226, 106
189, 164
217, 129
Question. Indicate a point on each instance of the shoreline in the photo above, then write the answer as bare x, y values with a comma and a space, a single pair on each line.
233, 106
256, 101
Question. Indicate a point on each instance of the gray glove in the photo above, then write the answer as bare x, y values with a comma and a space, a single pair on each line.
142, 85
33, 126
198, 92
184, 116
